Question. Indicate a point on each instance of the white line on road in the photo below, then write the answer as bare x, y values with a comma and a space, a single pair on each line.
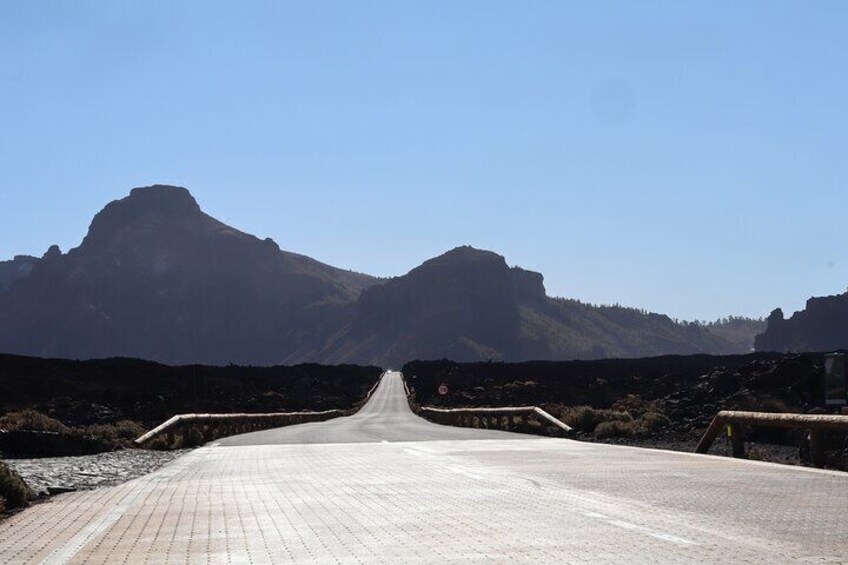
641, 529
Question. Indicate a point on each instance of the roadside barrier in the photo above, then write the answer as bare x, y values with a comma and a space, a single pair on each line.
213, 426
373, 388
815, 424
506, 417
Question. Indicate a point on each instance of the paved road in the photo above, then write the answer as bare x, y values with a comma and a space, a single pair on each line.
504, 498
386, 417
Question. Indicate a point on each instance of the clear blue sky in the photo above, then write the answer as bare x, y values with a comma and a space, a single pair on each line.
685, 157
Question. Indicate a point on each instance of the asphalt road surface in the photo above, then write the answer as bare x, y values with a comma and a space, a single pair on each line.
388, 488
385, 417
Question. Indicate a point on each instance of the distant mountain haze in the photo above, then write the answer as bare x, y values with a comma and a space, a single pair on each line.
156, 278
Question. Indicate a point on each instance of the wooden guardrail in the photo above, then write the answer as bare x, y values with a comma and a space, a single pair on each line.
465, 416
214, 426
221, 425
373, 388
816, 424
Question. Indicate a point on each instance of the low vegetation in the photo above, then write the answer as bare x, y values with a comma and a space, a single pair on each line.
14, 493
32, 420
30, 433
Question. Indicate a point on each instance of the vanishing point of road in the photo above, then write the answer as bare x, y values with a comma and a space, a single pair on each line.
384, 486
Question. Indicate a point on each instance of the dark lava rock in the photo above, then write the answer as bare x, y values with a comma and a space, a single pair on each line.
23, 443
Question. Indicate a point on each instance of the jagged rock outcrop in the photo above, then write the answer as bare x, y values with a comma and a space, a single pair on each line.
462, 305
821, 326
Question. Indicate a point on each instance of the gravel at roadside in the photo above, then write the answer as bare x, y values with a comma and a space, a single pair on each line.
53, 475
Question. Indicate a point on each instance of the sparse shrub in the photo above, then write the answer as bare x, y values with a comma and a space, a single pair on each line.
586, 419
158, 444
13, 490
635, 405
616, 428
32, 420
121, 433
652, 422
128, 430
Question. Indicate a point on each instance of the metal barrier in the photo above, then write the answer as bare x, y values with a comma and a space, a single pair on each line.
465, 416
816, 424
230, 424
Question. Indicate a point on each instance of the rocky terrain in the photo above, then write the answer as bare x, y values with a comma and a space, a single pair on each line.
821, 326
663, 402
82, 394
55, 475
156, 278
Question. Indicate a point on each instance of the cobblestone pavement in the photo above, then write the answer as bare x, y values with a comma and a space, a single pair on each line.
58, 474
531, 500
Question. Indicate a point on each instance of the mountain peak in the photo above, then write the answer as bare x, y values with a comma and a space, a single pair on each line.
163, 197
150, 205
463, 255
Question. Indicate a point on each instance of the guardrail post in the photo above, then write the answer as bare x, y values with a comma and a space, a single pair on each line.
709, 435
737, 440
817, 448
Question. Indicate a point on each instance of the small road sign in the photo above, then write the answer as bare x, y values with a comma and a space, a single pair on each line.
443, 389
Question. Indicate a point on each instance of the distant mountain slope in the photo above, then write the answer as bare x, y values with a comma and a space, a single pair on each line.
157, 278
738, 330
821, 326
470, 305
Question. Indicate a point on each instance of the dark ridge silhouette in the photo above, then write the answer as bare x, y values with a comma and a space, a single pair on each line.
469, 305
156, 278
18, 268
821, 326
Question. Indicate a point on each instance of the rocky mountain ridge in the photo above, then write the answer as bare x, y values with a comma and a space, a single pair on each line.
156, 278
821, 326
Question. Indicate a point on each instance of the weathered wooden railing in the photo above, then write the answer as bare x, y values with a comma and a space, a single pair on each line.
506, 417
815, 424
213, 426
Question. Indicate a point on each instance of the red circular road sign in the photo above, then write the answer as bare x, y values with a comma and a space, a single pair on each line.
443, 389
